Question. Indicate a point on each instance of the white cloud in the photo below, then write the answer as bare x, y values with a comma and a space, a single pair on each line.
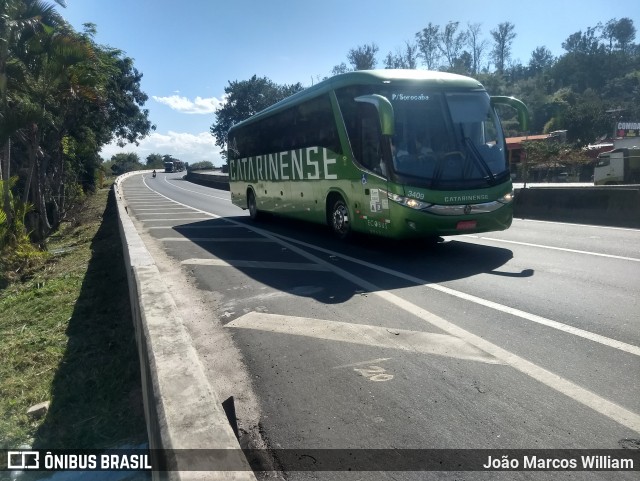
187, 106
181, 145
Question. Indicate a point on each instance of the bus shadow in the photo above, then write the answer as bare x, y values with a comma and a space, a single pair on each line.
384, 264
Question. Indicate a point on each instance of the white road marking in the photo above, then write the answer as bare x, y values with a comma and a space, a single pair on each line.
575, 251
198, 227
622, 346
374, 373
182, 219
413, 341
363, 363
162, 207
629, 229
599, 404
216, 239
298, 266
167, 213
196, 192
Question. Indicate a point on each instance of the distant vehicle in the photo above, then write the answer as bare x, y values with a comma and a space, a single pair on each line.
174, 166
395, 153
619, 166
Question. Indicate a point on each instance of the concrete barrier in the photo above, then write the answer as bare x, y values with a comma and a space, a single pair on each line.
181, 409
607, 205
216, 179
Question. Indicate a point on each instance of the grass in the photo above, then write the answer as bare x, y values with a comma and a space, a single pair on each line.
67, 337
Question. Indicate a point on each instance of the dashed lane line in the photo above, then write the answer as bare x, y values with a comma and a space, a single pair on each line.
564, 249
182, 219
216, 239
297, 266
622, 346
597, 403
195, 191
231, 226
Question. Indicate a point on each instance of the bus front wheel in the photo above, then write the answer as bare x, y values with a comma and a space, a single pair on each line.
340, 220
252, 205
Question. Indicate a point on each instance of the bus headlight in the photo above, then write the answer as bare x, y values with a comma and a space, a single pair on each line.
506, 198
408, 201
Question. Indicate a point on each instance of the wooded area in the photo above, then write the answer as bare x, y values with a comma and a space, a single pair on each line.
595, 82
62, 97
583, 91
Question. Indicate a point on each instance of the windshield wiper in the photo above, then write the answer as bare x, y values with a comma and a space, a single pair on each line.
477, 156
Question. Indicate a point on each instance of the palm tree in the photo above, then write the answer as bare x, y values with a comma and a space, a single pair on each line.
59, 74
19, 19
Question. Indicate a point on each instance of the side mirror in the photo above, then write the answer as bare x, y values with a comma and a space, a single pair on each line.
521, 108
385, 111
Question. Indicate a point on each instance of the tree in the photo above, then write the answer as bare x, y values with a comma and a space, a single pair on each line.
363, 57
127, 120
244, 99
428, 41
339, 69
19, 19
463, 64
541, 60
125, 162
155, 161
55, 82
403, 59
586, 43
503, 36
62, 98
451, 43
477, 46
620, 34
587, 119
550, 156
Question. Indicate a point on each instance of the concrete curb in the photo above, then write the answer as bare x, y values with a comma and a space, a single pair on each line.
217, 181
616, 206
181, 408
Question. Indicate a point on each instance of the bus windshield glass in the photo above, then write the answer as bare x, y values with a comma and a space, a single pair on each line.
448, 140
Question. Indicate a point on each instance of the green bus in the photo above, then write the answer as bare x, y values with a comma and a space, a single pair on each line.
395, 153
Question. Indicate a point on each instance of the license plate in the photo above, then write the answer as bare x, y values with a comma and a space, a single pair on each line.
466, 225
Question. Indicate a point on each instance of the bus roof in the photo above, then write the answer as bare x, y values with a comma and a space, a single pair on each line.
404, 78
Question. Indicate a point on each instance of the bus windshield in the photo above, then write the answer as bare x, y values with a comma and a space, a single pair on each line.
448, 140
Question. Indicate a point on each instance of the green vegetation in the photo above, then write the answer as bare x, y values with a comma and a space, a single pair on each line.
67, 337
596, 80
244, 99
583, 91
204, 165
62, 97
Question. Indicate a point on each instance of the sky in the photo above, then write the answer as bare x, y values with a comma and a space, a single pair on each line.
188, 51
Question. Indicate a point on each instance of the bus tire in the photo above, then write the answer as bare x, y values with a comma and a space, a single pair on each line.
339, 219
252, 205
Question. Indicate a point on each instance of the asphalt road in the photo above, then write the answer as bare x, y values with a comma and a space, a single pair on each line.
523, 339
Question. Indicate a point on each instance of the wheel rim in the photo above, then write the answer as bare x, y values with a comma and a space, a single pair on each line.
253, 209
341, 219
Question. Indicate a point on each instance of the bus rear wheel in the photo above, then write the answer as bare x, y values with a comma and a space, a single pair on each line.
340, 220
252, 205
